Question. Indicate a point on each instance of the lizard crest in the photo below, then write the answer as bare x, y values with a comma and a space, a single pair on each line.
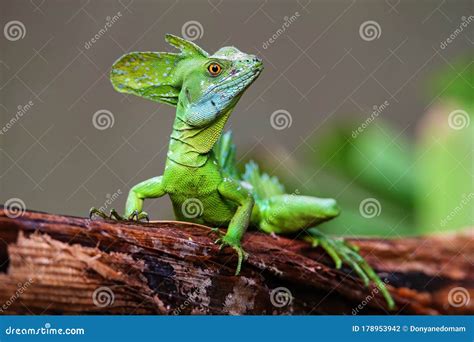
203, 86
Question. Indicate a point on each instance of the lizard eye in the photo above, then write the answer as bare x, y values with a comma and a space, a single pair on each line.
214, 69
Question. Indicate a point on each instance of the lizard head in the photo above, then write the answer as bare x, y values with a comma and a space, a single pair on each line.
203, 86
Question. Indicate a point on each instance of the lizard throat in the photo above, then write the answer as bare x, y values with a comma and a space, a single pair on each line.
192, 146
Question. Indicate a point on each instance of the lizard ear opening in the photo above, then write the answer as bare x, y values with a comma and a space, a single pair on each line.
186, 47
149, 75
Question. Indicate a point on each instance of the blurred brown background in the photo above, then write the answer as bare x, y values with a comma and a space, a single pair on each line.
320, 69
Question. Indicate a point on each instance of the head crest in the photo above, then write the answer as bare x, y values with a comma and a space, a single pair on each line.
152, 75
186, 47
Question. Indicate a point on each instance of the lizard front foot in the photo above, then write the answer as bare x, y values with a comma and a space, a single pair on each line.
114, 215
224, 241
217, 232
343, 252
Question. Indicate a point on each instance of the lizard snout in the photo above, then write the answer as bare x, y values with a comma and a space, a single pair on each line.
257, 62
254, 61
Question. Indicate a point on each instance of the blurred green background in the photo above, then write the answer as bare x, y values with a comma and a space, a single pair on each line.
405, 185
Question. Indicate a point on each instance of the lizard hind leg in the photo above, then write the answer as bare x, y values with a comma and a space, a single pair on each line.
286, 214
290, 214
277, 212
343, 252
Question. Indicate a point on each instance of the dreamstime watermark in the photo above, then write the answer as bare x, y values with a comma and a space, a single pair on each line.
14, 207
192, 30
14, 30
281, 119
281, 207
464, 24
377, 110
280, 297
110, 21
19, 291
103, 297
370, 207
103, 119
458, 119
288, 20
21, 110
457, 209
46, 330
192, 208
110, 198
367, 299
370, 30
196, 294
458, 296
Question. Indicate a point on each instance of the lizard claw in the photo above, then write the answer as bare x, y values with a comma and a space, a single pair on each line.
94, 211
341, 252
241, 254
216, 231
114, 215
133, 216
220, 243
138, 216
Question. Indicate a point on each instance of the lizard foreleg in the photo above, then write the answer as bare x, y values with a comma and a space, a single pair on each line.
233, 191
151, 188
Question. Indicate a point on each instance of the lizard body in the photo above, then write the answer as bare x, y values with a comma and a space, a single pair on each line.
200, 175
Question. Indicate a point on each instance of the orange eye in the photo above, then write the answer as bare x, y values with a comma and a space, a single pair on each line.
214, 69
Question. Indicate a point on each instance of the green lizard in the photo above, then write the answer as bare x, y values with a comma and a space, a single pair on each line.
200, 175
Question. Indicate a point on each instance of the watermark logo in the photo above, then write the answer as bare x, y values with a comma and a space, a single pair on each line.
21, 288
14, 30
465, 21
103, 119
194, 298
458, 119
192, 208
192, 30
280, 297
367, 299
14, 207
288, 20
458, 296
103, 297
109, 22
281, 119
281, 207
21, 110
370, 207
47, 329
110, 198
377, 110
457, 209
370, 30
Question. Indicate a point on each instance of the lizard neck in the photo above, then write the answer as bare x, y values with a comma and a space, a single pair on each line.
192, 146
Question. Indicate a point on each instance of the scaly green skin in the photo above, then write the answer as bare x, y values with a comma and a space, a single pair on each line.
200, 175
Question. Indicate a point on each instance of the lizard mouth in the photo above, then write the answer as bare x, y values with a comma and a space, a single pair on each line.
237, 84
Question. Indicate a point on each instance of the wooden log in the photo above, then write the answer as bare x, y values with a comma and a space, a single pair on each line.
53, 264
